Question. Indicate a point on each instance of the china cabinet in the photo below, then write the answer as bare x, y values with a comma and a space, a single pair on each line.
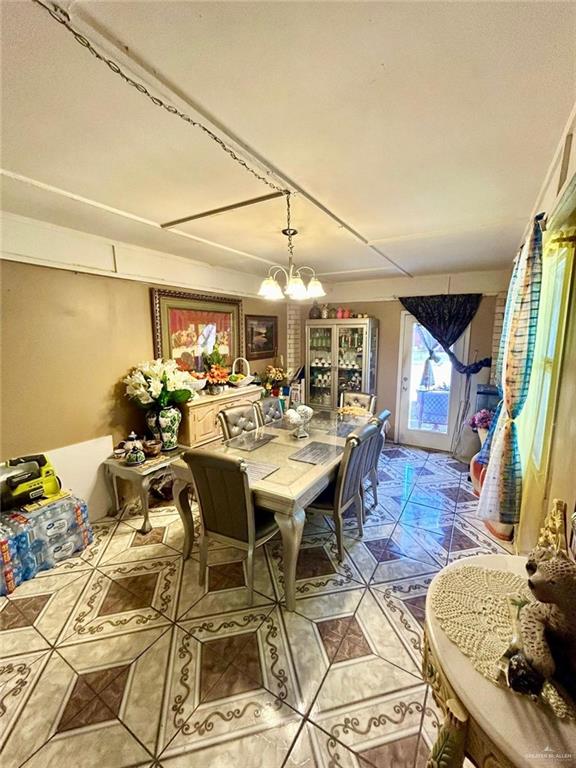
341, 355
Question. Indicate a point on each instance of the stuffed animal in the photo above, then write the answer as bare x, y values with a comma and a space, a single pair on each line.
547, 626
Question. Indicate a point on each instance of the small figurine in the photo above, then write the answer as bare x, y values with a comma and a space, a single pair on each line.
547, 627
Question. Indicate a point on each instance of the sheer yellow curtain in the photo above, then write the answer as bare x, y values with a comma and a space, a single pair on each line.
535, 424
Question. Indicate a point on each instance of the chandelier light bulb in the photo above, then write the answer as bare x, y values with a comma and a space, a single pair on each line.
295, 288
315, 289
270, 289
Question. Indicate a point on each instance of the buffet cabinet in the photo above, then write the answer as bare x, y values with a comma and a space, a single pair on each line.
200, 416
341, 355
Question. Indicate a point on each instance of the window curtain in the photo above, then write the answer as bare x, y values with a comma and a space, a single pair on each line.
428, 380
501, 493
446, 317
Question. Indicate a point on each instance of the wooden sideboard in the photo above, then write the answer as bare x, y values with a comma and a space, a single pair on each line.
199, 417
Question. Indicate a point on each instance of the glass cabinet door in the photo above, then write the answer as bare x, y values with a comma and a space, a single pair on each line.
320, 355
351, 351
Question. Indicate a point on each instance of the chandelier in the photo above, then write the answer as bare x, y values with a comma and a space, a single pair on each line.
295, 287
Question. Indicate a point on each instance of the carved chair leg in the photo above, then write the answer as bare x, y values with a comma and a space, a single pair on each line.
448, 749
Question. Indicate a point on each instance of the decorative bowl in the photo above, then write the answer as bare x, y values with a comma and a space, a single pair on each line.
152, 447
198, 384
242, 382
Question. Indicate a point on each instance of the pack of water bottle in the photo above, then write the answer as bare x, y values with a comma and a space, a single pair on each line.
39, 537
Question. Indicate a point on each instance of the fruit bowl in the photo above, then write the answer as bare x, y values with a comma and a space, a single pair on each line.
197, 384
241, 382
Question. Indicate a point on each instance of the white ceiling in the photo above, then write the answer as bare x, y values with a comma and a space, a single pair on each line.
425, 127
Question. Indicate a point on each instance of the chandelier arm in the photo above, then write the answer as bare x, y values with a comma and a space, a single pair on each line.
274, 271
303, 267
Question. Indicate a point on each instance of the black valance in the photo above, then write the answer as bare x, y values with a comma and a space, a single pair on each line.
446, 317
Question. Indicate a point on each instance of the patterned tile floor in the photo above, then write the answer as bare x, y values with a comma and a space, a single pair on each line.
118, 658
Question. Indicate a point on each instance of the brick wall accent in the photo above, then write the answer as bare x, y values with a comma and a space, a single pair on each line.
497, 331
294, 336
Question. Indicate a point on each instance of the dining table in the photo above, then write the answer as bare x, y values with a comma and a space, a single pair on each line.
285, 473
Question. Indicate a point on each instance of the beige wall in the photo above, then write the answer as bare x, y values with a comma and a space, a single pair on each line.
68, 339
389, 315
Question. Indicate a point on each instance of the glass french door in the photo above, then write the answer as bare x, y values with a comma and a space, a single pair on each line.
429, 388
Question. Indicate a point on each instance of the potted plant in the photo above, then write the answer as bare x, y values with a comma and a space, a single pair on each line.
481, 422
272, 379
158, 387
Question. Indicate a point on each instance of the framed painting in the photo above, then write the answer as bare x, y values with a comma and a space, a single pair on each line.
261, 336
188, 325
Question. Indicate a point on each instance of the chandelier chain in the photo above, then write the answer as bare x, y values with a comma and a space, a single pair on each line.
63, 18
289, 231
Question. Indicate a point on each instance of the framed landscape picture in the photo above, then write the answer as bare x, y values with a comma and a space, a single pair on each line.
187, 325
261, 336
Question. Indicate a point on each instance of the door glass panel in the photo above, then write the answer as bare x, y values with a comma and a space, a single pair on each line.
429, 383
350, 357
320, 355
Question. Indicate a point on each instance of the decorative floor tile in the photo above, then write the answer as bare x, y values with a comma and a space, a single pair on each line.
225, 588
125, 598
467, 540
418, 544
432, 496
428, 518
314, 748
166, 539
347, 709
366, 552
258, 735
18, 676
318, 569
34, 615
403, 604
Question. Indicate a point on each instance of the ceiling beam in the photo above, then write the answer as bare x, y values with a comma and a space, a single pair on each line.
223, 209
82, 17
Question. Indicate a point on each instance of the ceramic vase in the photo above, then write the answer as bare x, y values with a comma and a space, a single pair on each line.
164, 424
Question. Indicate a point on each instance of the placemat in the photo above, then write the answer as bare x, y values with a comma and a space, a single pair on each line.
317, 453
249, 441
258, 471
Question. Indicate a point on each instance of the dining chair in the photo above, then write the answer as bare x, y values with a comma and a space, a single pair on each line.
374, 452
358, 400
227, 510
344, 491
237, 420
268, 411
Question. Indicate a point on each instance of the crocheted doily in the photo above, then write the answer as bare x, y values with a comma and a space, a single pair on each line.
470, 604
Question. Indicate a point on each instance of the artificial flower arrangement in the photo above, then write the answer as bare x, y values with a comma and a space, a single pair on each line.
217, 375
273, 377
481, 419
159, 383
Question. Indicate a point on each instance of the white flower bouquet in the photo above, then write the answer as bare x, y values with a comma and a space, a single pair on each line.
159, 383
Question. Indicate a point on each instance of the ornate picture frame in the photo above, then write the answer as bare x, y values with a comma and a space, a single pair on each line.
187, 324
261, 334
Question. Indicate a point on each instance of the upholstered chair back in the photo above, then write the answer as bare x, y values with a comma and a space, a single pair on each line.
359, 400
268, 411
223, 493
353, 464
237, 420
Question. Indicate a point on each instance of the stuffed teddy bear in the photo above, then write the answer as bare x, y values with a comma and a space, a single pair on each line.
547, 626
